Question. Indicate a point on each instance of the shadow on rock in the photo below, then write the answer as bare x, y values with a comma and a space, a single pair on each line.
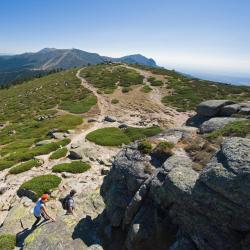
98, 231
21, 236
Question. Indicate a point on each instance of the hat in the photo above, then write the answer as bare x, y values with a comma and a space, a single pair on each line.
45, 197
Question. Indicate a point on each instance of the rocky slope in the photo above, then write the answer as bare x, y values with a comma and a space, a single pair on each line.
174, 207
187, 193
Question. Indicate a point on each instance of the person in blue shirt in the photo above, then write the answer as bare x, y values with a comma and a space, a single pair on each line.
40, 210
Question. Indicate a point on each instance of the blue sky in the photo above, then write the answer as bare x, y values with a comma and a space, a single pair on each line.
190, 35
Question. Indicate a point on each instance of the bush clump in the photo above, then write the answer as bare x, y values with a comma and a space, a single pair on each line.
4, 164
114, 101
115, 137
25, 155
59, 153
145, 147
146, 89
41, 184
23, 167
7, 241
80, 106
155, 82
74, 167
141, 133
126, 89
108, 137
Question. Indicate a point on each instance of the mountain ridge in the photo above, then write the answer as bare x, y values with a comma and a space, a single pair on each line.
13, 67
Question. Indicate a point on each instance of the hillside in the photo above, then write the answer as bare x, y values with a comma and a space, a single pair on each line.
124, 129
28, 64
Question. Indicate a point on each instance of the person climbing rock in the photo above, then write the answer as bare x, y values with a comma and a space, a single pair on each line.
40, 210
68, 202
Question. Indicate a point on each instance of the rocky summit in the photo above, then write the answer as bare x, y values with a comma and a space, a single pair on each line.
174, 207
154, 167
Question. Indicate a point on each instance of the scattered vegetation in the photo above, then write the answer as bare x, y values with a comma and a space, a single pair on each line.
41, 184
62, 152
74, 167
238, 128
107, 78
200, 150
146, 89
27, 154
187, 92
145, 147
116, 137
114, 101
23, 102
108, 137
23, 167
165, 147
7, 241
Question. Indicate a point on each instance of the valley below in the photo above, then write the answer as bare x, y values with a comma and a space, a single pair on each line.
158, 160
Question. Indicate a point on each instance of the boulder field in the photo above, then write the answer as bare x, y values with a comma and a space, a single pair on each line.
174, 207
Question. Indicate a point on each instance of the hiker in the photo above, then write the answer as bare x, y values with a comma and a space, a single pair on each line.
68, 202
40, 210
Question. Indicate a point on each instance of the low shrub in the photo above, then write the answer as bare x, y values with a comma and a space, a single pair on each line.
126, 89
23, 167
146, 89
41, 184
4, 164
155, 82
238, 128
25, 155
114, 101
59, 154
81, 106
145, 147
74, 167
7, 241
140, 133
108, 137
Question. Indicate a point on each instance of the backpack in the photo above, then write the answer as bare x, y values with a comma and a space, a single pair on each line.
65, 202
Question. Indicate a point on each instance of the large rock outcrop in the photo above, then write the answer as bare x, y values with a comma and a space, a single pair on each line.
174, 207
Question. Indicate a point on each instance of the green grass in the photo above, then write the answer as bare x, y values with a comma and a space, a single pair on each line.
238, 128
145, 147
108, 137
114, 101
42, 184
116, 137
146, 89
7, 241
81, 106
25, 101
62, 152
141, 133
4, 164
107, 78
74, 167
27, 154
23, 167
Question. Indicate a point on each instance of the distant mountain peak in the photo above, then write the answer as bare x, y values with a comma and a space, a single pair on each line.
52, 58
46, 50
